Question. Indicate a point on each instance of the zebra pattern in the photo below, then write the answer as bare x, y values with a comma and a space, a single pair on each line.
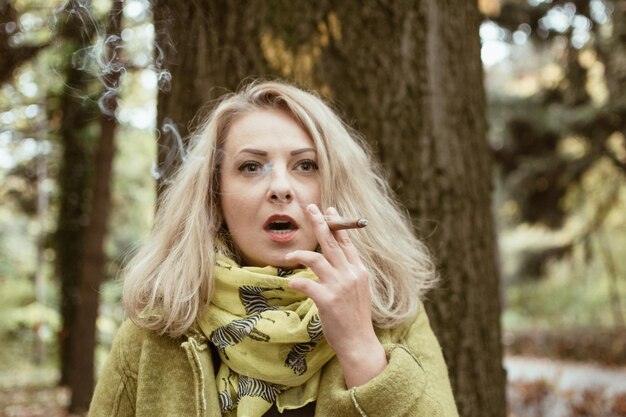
314, 328
253, 301
283, 272
235, 331
250, 387
226, 401
296, 359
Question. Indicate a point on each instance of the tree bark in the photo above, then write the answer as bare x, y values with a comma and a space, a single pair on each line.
43, 207
457, 195
410, 75
92, 274
73, 183
78, 113
93, 262
207, 48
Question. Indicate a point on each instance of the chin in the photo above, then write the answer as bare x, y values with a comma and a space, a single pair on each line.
289, 266
281, 263
274, 261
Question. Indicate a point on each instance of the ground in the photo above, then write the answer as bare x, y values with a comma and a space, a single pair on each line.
549, 388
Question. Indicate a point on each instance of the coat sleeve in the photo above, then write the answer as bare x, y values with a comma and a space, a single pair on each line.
116, 389
414, 384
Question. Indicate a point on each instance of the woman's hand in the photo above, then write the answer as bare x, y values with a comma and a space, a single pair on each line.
343, 299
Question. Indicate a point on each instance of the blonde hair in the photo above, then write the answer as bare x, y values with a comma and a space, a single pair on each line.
169, 281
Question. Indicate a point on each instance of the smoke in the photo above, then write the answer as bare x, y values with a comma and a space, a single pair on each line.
101, 55
170, 128
164, 77
109, 55
156, 172
112, 70
81, 10
172, 146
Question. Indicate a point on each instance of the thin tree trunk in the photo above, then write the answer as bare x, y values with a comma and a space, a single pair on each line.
78, 112
73, 182
93, 271
43, 202
613, 276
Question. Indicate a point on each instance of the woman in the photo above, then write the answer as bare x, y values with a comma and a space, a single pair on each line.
243, 302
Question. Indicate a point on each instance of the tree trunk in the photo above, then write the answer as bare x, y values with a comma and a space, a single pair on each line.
93, 272
93, 265
208, 48
78, 113
416, 92
613, 275
457, 194
73, 184
43, 207
408, 76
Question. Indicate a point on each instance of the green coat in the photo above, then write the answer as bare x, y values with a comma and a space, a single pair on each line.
148, 375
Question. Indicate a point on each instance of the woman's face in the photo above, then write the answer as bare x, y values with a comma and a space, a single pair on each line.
269, 174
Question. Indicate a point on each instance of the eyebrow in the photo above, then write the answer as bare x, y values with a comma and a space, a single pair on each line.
264, 153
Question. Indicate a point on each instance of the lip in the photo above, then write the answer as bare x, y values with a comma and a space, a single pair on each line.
280, 237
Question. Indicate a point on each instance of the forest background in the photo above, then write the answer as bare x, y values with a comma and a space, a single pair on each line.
85, 135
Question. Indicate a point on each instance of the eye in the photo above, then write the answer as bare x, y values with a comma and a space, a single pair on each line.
250, 167
307, 165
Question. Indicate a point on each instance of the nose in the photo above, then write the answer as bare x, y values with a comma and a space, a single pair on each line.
280, 190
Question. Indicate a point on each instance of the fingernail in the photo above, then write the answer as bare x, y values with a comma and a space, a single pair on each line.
289, 255
313, 209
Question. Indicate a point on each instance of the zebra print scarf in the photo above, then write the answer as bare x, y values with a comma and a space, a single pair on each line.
269, 338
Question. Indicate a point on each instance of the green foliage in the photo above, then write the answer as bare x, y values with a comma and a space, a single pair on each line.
134, 193
567, 298
557, 133
30, 316
17, 254
40, 84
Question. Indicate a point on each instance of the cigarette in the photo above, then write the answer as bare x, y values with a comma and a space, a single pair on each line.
335, 223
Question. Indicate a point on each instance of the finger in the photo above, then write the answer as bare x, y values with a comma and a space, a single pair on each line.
311, 289
325, 238
342, 237
316, 261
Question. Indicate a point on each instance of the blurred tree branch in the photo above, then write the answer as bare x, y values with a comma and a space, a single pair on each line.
12, 57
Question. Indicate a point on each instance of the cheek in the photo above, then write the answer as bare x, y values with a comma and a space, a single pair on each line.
229, 203
315, 196
231, 206
231, 192
308, 191
239, 204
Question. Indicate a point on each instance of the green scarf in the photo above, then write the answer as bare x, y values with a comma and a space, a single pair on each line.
269, 339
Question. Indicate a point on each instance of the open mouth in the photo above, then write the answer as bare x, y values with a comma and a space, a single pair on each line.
280, 227
280, 224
